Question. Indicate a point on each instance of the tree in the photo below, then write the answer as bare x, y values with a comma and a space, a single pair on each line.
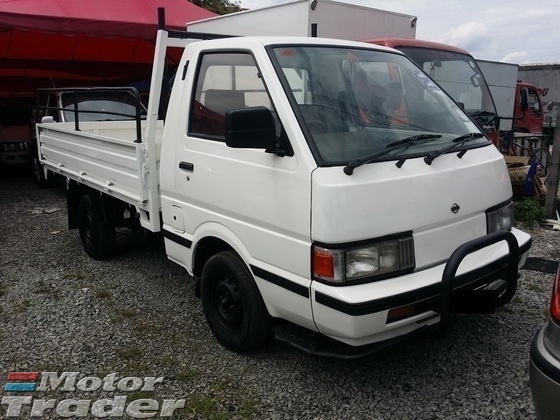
221, 7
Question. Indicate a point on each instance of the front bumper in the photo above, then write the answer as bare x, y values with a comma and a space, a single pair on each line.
544, 373
14, 157
364, 314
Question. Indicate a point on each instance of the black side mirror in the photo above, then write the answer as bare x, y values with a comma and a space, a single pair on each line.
524, 99
251, 128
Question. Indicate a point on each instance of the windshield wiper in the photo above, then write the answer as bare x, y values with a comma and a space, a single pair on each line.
349, 169
456, 142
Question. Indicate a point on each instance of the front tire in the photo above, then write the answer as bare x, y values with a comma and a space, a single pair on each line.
98, 237
232, 303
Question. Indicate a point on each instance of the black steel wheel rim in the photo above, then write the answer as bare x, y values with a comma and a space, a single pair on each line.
228, 304
86, 223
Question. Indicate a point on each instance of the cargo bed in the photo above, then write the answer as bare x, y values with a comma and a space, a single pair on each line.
107, 157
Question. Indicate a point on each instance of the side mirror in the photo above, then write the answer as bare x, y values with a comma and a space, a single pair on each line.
524, 99
250, 128
475, 80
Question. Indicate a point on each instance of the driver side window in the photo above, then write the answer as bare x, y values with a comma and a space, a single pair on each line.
225, 81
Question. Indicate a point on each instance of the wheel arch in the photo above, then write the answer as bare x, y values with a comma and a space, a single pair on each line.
211, 239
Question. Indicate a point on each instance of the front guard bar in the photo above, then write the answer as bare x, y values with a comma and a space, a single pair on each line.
460, 253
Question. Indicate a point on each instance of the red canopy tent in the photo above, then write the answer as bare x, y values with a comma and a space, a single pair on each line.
78, 42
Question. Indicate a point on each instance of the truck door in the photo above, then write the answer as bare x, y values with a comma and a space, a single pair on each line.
256, 202
532, 121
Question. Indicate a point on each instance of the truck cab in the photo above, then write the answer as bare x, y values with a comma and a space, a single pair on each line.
530, 117
337, 183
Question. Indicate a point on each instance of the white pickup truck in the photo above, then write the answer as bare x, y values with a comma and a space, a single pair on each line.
318, 183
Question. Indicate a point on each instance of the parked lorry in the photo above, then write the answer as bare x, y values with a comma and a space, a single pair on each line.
546, 78
508, 91
323, 18
309, 185
15, 131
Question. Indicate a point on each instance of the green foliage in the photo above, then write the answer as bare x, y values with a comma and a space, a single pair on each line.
529, 211
221, 7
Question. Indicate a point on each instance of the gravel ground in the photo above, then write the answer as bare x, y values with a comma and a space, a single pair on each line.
136, 315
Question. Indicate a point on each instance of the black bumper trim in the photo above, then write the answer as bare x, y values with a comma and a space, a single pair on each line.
378, 305
281, 281
176, 238
498, 269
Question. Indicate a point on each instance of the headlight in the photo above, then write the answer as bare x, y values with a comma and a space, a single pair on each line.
499, 218
372, 261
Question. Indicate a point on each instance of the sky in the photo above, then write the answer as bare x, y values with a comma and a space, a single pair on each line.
512, 31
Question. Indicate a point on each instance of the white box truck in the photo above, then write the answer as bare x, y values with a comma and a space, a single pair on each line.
323, 18
319, 186
502, 80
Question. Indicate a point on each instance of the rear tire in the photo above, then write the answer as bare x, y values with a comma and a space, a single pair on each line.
41, 180
98, 237
232, 303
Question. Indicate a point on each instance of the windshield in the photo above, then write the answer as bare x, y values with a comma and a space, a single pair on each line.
459, 75
355, 102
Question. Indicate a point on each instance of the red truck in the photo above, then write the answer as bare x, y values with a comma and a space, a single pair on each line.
457, 72
531, 119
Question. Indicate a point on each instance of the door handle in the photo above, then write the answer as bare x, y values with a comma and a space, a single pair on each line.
187, 166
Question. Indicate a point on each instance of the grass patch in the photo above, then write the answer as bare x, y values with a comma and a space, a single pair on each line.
167, 361
74, 275
209, 407
42, 288
139, 395
528, 211
129, 353
23, 306
534, 287
128, 313
202, 406
186, 375
145, 328
103, 294
46, 367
